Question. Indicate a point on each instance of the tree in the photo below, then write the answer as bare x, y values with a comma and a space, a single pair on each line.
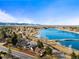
39, 44
14, 39
14, 35
8, 40
78, 56
0, 57
9, 51
48, 50
73, 55
3, 33
19, 36
4, 53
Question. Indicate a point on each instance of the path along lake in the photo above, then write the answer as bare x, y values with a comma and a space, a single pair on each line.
54, 34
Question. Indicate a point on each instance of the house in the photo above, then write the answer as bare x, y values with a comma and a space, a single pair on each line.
22, 43
32, 45
39, 51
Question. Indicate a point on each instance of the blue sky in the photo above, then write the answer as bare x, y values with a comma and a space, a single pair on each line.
49, 12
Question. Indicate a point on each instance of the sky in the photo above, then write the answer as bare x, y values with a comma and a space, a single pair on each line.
46, 12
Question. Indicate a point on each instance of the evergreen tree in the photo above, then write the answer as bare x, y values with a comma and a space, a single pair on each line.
78, 56
14, 39
48, 50
73, 55
40, 44
0, 57
3, 33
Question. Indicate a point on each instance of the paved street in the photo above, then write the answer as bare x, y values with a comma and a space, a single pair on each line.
16, 53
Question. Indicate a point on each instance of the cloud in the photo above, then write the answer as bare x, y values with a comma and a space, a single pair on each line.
62, 21
5, 17
71, 21
26, 20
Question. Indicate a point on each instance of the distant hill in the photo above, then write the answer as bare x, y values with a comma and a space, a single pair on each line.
14, 24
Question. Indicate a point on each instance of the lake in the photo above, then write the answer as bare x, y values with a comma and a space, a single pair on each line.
54, 34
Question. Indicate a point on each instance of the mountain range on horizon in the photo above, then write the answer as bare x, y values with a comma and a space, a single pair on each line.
27, 24
9, 24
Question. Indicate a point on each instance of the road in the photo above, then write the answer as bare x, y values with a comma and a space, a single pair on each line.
16, 53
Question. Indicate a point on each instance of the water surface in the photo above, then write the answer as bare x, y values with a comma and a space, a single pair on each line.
54, 34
